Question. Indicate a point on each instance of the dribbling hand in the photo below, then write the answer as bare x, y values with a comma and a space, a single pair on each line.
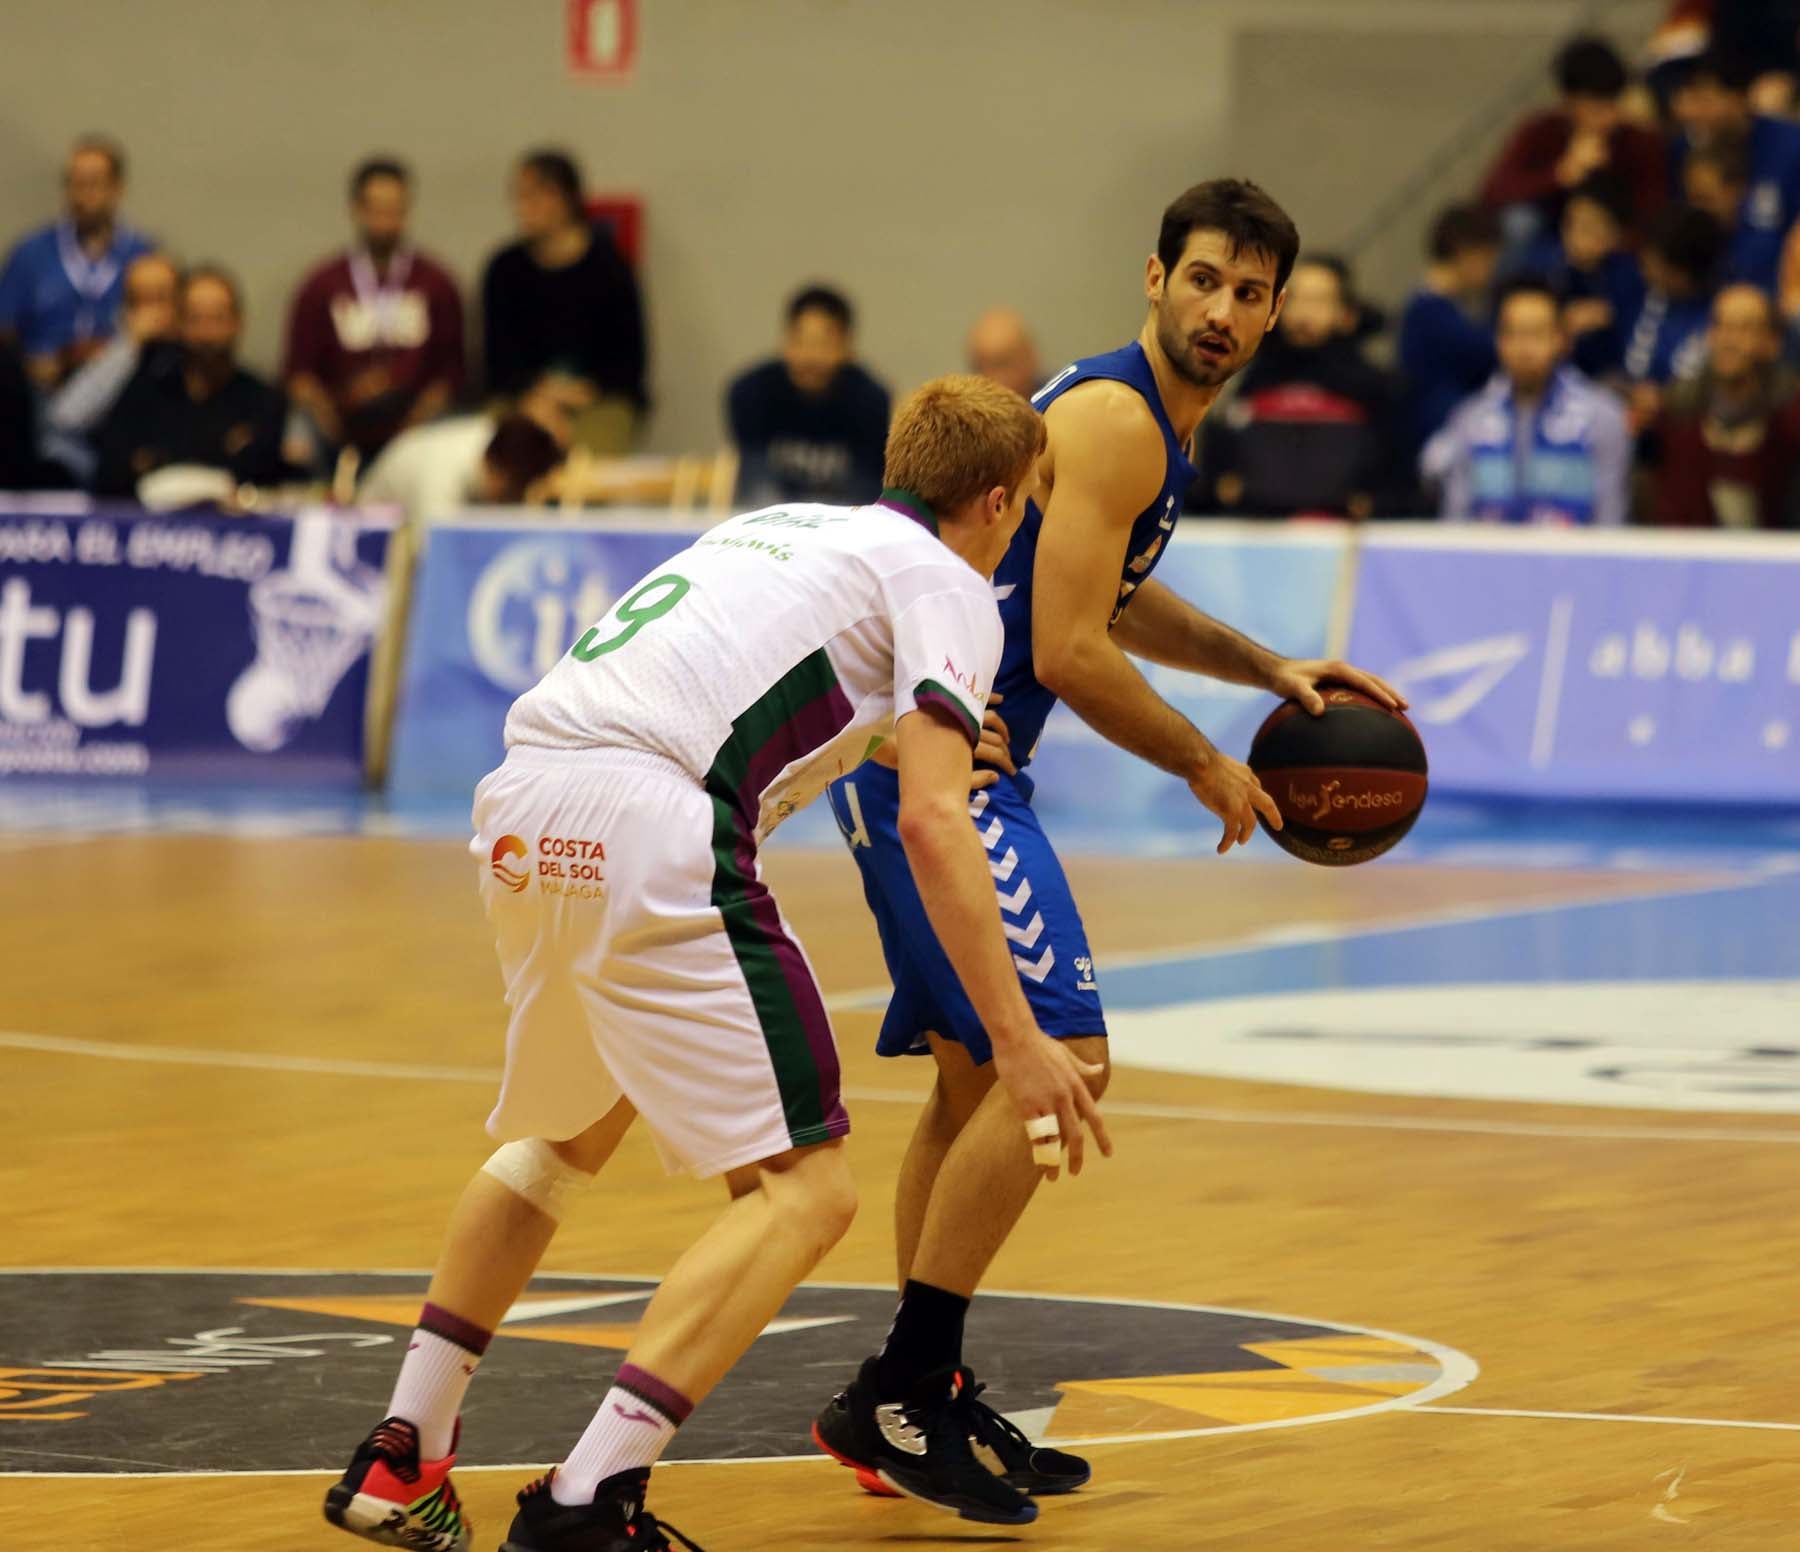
1230, 789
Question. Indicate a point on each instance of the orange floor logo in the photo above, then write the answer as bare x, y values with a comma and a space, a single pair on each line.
514, 879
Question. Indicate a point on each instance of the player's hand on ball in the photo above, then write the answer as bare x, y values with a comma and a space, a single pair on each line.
994, 749
1298, 679
1046, 1080
1230, 789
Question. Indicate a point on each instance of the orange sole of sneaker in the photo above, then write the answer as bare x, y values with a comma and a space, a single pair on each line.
865, 1478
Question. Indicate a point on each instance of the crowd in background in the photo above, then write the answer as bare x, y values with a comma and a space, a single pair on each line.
1601, 333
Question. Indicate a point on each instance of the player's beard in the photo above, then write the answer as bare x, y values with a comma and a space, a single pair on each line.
1181, 353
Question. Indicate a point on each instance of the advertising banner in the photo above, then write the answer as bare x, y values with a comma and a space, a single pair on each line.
1629, 666
494, 606
187, 645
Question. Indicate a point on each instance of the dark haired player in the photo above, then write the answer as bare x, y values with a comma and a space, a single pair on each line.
1078, 602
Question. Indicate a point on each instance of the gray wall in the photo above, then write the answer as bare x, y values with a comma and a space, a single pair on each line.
933, 156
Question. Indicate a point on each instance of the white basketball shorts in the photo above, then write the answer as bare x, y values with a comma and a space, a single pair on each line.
643, 956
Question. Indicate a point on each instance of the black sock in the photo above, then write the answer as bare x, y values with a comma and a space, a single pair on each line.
927, 1335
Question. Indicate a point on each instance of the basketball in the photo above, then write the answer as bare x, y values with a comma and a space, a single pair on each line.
1349, 784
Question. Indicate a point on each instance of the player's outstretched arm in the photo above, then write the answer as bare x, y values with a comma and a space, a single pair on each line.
950, 868
1163, 627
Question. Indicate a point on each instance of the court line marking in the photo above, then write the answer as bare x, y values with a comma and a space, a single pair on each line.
1299, 934
1457, 1369
252, 1061
1611, 1417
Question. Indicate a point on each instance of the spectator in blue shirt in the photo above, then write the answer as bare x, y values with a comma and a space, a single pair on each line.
1666, 342
1446, 348
1712, 105
1589, 267
1539, 444
61, 287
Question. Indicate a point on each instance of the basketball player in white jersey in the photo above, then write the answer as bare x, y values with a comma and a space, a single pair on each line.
649, 971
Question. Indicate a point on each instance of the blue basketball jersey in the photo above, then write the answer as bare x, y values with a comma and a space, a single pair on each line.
1026, 703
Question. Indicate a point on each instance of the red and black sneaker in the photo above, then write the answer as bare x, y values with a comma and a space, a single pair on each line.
391, 1497
922, 1447
1036, 1469
616, 1521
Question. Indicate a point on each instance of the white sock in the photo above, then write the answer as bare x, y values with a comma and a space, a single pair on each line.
429, 1393
626, 1432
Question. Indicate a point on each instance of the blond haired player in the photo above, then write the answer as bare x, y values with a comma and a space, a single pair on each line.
722, 693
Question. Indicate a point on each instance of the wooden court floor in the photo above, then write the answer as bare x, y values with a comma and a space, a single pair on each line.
155, 985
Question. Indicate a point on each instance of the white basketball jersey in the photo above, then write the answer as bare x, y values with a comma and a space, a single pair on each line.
773, 654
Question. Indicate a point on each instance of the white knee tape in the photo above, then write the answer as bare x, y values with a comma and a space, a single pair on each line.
534, 1170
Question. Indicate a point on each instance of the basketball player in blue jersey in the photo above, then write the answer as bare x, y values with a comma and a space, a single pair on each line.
1078, 602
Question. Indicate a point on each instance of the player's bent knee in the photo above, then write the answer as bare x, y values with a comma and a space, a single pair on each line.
814, 1194
535, 1171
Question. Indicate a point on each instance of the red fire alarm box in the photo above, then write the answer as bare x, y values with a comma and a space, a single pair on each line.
602, 38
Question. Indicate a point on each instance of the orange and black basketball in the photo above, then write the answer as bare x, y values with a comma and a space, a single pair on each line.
1349, 784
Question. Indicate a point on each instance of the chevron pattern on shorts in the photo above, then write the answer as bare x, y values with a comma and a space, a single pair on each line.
1023, 933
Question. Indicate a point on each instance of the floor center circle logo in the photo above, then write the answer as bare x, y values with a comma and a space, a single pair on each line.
179, 1371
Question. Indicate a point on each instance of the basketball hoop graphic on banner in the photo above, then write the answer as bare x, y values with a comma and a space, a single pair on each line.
601, 38
312, 622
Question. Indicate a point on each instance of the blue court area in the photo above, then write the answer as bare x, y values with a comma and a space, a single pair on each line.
1682, 992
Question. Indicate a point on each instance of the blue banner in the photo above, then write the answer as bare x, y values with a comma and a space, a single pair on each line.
493, 608
1592, 665
190, 646
1275, 583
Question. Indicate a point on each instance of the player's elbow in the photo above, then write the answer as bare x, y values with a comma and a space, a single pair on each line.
1062, 664
927, 822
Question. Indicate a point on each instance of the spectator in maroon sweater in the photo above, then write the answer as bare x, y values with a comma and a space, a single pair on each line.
375, 337
1551, 152
1726, 448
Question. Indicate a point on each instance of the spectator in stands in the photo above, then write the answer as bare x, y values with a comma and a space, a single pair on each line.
1726, 448
1715, 178
1001, 348
1446, 350
436, 471
150, 318
1310, 427
375, 334
1590, 268
1712, 106
810, 425
60, 288
1539, 444
562, 298
1552, 152
195, 404
1665, 340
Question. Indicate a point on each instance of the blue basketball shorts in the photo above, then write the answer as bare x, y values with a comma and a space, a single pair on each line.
1043, 928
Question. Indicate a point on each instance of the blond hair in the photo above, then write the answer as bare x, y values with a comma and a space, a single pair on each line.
957, 438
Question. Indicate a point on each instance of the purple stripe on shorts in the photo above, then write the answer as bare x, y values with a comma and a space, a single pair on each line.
802, 987
439, 1321
653, 1392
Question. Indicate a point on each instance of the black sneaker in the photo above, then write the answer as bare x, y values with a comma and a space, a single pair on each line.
920, 1447
391, 1497
616, 1521
1031, 1468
